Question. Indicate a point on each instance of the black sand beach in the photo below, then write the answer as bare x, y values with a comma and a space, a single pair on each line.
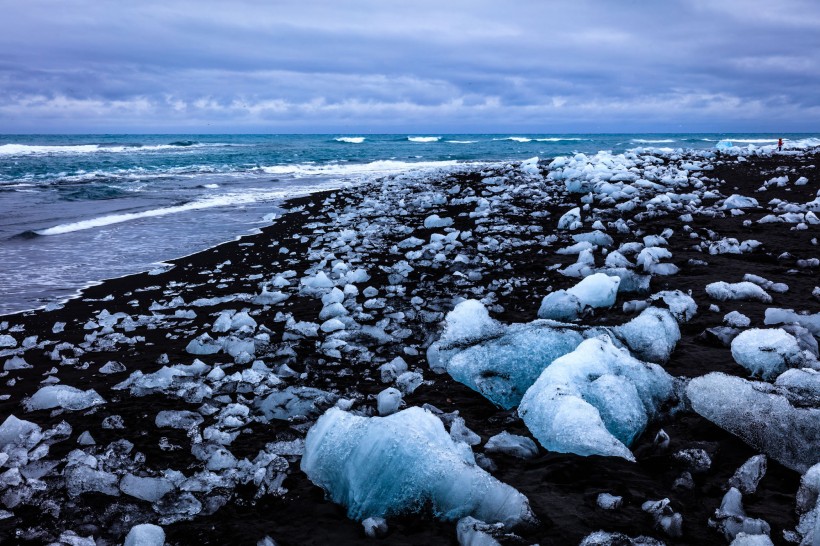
562, 488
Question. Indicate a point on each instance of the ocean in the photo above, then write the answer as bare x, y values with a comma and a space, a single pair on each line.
77, 209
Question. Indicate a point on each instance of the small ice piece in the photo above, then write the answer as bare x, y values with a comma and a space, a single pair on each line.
607, 501
85, 439
766, 284
745, 291
460, 433
473, 532
779, 420
270, 298
468, 322
181, 419
16, 363
332, 325
15, 431
388, 401
748, 476
652, 335
571, 219
595, 291
666, 519
736, 201
731, 519
384, 466
696, 460
7, 341
808, 507
145, 488
766, 353
145, 534
681, 305
391, 370
736, 319
408, 382
434, 221
203, 345
295, 401
83, 479
512, 445
745, 539
375, 527
62, 396
595, 400
603, 538
111, 367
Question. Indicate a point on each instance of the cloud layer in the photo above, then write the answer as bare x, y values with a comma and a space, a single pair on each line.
426, 65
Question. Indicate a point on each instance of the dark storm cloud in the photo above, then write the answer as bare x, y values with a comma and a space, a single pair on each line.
426, 65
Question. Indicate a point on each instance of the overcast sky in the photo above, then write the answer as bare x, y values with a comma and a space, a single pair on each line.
358, 66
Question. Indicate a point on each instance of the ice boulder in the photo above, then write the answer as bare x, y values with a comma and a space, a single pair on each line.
595, 291
384, 466
595, 400
62, 396
145, 534
767, 353
503, 367
736, 201
652, 335
780, 420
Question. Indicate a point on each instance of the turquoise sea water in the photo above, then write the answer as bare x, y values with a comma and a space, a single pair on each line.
76, 209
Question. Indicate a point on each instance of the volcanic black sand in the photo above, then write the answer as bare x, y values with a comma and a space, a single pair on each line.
561, 488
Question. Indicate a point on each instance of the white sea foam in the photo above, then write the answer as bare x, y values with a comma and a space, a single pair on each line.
354, 169
424, 138
559, 139
30, 149
350, 140
207, 203
462, 141
650, 141
515, 139
754, 140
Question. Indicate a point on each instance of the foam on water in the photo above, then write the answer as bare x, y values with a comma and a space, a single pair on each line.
28, 149
354, 169
350, 140
424, 138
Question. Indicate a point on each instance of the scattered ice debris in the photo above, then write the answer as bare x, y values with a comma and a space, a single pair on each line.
382, 466
723, 291
595, 400
767, 353
731, 519
473, 532
62, 396
781, 420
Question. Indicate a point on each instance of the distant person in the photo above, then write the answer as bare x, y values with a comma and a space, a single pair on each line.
779, 144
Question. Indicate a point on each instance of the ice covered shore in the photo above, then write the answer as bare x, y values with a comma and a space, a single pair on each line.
473, 355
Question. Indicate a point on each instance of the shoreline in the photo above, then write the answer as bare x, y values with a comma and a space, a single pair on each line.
561, 488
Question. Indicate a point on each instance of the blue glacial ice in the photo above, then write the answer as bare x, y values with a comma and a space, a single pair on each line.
383, 466
781, 420
595, 400
595, 291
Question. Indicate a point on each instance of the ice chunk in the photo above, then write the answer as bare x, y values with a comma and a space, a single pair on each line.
472, 532
502, 368
408, 382
731, 519
745, 539
295, 401
145, 534
595, 291
62, 396
571, 219
19, 432
388, 401
681, 305
766, 353
390, 371
595, 400
652, 335
181, 419
511, 444
16, 363
778, 420
666, 519
602, 538
736, 319
375, 527
434, 221
607, 501
736, 201
748, 476
383, 466
781, 316
468, 322
724, 291
83, 479
203, 345
145, 488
